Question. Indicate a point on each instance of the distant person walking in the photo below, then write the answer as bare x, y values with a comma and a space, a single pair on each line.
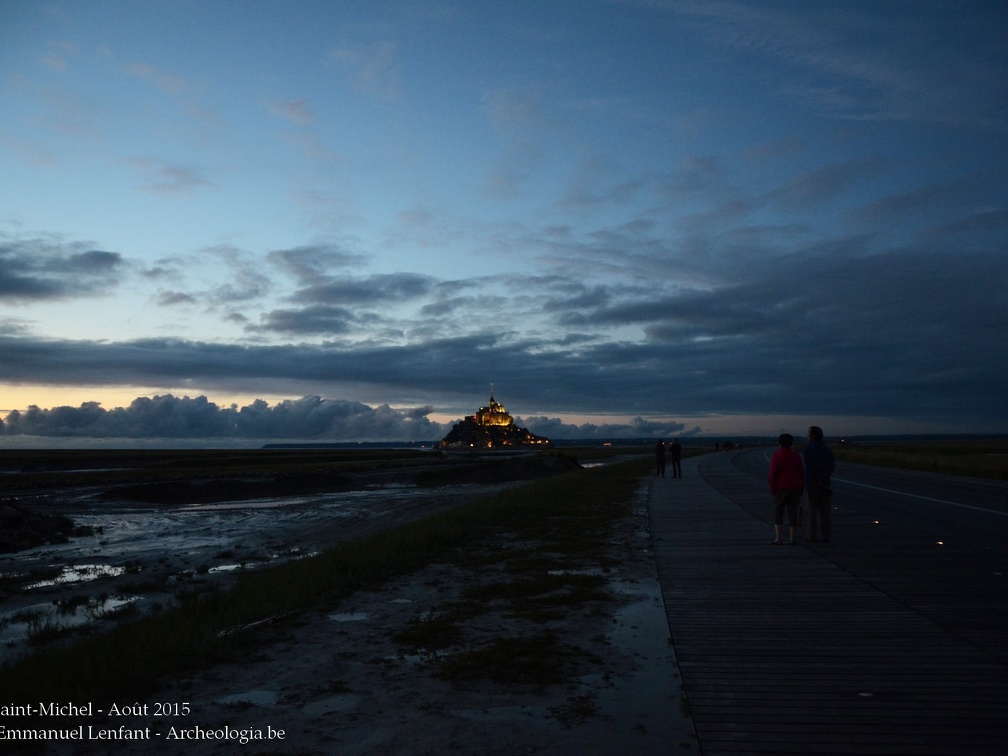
675, 454
787, 479
819, 467
659, 453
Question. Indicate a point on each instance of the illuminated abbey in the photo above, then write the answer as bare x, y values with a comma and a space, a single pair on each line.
490, 428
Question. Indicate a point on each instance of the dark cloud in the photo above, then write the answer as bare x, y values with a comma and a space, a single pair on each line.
826, 183
901, 333
245, 277
554, 427
48, 268
309, 262
921, 76
170, 298
596, 296
719, 316
310, 417
317, 319
390, 288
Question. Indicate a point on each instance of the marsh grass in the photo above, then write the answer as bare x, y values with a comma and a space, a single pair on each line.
979, 458
543, 564
568, 511
538, 660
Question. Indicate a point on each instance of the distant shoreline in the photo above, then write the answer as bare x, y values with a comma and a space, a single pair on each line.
82, 443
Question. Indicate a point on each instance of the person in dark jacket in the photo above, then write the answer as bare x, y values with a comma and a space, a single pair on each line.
659, 452
787, 479
819, 467
675, 454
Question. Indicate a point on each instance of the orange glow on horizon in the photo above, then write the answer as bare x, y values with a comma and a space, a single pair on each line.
109, 397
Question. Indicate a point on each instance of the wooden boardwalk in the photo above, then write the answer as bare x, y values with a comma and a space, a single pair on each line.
784, 652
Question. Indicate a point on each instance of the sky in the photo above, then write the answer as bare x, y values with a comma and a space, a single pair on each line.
649, 217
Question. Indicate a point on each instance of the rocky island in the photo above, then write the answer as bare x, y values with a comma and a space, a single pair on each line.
490, 428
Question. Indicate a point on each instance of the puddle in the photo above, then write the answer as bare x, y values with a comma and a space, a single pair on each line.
79, 573
225, 568
349, 617
52, 618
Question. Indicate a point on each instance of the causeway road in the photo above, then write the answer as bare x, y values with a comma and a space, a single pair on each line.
890, 639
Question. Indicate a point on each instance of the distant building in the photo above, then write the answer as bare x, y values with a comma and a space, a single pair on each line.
490, 428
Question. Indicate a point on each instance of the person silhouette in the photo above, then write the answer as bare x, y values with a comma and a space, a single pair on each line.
819, 467
787, 479
675, 454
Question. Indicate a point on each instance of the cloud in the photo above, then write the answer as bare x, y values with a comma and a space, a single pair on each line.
58, 53
387, 288
245, 278
515, 110
308, 418
317, 319
583, 298
825, 184
297, 111
162, 177
372, 67
727, 314
172, 298
308, 262
519, 116
49, 268
555, 428
166, 82
867, 62
898, 333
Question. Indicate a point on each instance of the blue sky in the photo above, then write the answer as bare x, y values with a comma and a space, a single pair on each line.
640, 217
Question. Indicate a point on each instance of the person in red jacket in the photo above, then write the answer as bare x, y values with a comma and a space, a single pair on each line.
787, 480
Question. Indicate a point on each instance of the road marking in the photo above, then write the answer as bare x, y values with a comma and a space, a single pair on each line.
766, 456
925, 498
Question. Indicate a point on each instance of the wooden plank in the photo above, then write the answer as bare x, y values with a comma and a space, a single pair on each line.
783, 651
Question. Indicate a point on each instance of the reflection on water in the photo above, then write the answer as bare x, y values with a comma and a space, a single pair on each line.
79, 573
37, 621
176, 549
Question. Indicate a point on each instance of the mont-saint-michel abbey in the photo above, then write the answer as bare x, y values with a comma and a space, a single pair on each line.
490, 428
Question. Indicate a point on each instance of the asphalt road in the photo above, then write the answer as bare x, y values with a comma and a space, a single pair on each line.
946, 508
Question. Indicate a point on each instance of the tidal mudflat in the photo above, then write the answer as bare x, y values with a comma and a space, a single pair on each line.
546, 634
148, 527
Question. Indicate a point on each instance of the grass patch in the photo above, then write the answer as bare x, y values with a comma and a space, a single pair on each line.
979, 459
570, 510
539, 661
546, 561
